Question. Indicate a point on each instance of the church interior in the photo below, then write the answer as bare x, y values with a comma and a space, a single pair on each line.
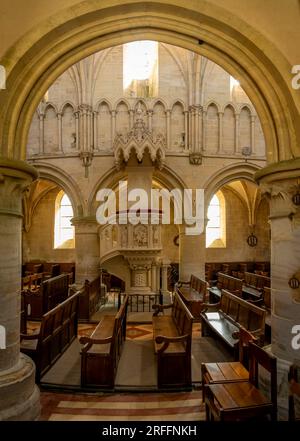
134, 318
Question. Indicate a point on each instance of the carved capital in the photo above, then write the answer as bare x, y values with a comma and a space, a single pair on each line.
15, 178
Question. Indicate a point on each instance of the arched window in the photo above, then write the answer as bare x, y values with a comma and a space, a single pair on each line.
216, 226
63, 230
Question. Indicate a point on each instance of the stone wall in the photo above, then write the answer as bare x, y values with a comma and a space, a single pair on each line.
38, 243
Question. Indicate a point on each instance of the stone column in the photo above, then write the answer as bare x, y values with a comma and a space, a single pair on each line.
153, 277
95, 130
19, 396
237, 133
186, 129
164, 276
158, 278
113, 124
200, 126
131, 118
168, 114
59, 124
220, 132
253, 117
87, 248
280, 183
204, 115
191, 255
77, 129
150, 115
42, 138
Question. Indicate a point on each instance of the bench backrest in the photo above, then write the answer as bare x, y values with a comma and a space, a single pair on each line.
119, 333
257, 281
230, 283
198, 285
267, 298
58, 330
244, 313
182, 317
54, 291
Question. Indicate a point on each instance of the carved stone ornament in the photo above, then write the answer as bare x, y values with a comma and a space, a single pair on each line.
195, 158
139, 139
252, 240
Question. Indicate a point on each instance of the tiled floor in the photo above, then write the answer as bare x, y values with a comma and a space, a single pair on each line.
183, 406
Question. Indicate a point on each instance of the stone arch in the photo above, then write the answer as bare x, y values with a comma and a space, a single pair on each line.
262, 69
228, 174
67, 183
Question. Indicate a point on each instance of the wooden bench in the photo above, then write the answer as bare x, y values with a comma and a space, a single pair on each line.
90, 297
51, 292
229, 283
229, 314
58, 330
172, 336
102, 350
49, 269
254, 284
193, 294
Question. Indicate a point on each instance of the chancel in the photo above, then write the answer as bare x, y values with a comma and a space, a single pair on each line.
149, 212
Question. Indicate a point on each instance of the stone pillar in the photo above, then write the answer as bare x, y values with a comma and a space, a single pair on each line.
204, 117
158, 278
77, 129
164, 276
150, 115
95, 130
19, 396
280, 183
87, 248
113, 124
253, 117
59, 124
153, 277
42, 138
200, 126
191, 255
237, 133
220, 132
131, 118
168, 113
186, 129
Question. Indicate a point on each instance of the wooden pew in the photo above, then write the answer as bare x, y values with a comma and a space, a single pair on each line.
90, 297
229, 283
228, 315
193, 294
51, 292
254, 284
50, 269
172, 336
102, 350
58, 330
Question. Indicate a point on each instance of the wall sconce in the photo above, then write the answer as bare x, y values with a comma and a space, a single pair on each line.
86, 158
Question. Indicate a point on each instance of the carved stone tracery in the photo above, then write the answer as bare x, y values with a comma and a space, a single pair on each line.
139, 139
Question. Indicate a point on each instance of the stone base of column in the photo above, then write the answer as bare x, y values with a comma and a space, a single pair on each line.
19, 395
283, 367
